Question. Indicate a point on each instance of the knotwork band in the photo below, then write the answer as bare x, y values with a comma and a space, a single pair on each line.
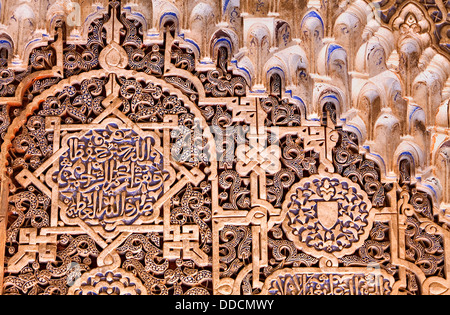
250, 147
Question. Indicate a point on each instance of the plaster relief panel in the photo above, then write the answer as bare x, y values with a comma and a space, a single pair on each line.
224, 148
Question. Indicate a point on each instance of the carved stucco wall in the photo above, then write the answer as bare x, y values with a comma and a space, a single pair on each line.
224, 147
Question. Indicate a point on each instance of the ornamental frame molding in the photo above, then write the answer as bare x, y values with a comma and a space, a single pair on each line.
235, 115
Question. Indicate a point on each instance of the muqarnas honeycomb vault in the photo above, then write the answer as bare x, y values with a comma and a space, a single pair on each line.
224, 147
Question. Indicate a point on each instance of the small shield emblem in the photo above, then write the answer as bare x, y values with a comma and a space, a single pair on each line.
327, 213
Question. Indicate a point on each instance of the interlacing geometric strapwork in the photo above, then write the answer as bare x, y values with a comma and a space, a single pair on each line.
224, 150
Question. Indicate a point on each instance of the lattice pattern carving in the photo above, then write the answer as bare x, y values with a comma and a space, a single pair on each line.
196, 148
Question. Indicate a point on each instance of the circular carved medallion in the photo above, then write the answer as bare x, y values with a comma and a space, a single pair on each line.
101, 282
327, 216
